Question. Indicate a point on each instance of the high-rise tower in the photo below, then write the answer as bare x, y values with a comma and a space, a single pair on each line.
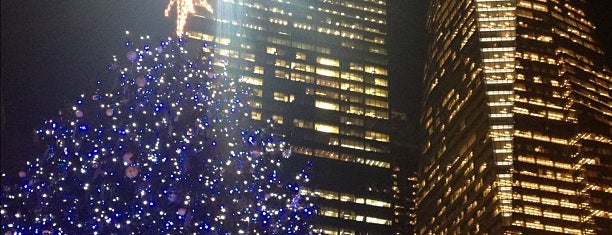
518, 120
318, 69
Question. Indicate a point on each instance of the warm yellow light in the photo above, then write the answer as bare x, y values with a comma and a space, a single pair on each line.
183, 9
326, 105
326, 128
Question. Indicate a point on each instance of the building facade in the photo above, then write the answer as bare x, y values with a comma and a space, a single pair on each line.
318, 70
518, 120
404, 165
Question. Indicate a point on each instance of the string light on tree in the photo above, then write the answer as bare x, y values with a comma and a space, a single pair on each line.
168, 149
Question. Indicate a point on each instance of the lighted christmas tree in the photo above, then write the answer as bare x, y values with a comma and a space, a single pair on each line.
165, 145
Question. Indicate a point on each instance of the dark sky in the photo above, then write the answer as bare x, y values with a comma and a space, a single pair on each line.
52, 51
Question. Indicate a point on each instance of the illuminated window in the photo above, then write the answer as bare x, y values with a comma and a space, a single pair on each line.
278, 21
351, 87
347, 198
375, 220
376, 113
233, 54
347, 44
328, 83
352, 109
300, 56
277, 119
351, 121
327, 105
567, 191
551, 214
255, 104
302, 26
570, 217
532, 210
378, 203
301, 150
224, 41
550, 201
376, 92
246, 45
380, 82
328, 211
226, 52
328, 72
375, 70
328, 61
325, 154
346, 214
326, 128
565, 203
281, 63
353, 144
271, 50
252, 80
376, 103
302, 123
248, 56
535, 224
281, 74
256, 115
303, 67
378, 50
351, 98
283, 97
372, 135
279, 41
529, 185
351, 76
326, 194
327, 94
352, 132
302, 78
257, 92
529, 159
258, 70
356, 66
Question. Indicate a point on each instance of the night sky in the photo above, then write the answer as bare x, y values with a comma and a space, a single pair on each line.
52, 51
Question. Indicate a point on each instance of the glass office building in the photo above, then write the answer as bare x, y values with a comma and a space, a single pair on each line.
318, 70
518, 120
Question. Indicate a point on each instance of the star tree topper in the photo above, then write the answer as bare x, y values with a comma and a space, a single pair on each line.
183, 9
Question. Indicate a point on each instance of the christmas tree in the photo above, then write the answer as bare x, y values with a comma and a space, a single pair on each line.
164, 145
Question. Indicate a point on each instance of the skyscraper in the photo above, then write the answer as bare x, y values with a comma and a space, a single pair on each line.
318, 69
518, 120
405, 156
